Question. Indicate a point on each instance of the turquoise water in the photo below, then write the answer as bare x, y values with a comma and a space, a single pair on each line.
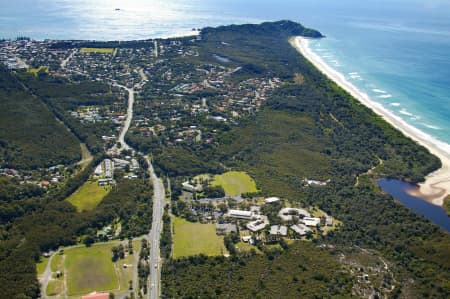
400, 67
397, 51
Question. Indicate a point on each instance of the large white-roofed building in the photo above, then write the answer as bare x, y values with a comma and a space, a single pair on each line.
278, 230
248, 215
256, 226
300, 229
311, 221
271, 199
287, 213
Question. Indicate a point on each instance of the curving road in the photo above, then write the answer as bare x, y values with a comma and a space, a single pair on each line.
158, 205
126, 125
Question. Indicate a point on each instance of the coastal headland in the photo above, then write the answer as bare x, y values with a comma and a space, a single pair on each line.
436, 186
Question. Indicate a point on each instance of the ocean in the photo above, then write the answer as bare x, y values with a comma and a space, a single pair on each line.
396, 51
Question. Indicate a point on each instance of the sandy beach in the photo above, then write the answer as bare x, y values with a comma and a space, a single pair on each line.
437, 184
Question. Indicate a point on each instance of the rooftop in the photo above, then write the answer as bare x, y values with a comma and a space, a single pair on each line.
311, 221
96, 295
240, 214
280, 230
257, 225
300, 229
271, 199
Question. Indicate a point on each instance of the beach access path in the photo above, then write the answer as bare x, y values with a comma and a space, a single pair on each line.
437, 184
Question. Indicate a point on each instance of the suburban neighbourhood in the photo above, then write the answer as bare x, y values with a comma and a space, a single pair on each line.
169, 104
151, 105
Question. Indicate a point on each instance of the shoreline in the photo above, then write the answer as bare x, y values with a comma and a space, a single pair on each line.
180, 34
437, 184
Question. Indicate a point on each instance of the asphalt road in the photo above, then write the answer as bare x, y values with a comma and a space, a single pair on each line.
155, 233
158, 206
126, 125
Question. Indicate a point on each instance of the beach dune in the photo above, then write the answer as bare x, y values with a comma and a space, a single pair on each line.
437, 184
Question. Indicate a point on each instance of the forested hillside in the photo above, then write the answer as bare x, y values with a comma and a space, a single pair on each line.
30, 135
311, 128
62, 97
302, 272
34, 220
48, 222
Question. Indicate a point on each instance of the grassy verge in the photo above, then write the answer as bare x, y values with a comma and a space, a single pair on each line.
57, 263
41, 265
235, 183
195, 238
88, 196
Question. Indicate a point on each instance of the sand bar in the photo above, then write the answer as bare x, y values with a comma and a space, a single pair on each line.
437, 184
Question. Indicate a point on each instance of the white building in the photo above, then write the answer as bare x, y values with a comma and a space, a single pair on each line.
98, 170
311, 221
271, 199
121, 164
287, 213
278, 230
256, 226
109, 168
246, 239
191, 188
104, 182
247, 215
301, 229
134, 164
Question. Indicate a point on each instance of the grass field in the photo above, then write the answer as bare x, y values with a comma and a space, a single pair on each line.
235, 183
97, 50
195, 238
55, 287
90, 269
57, 263
88, 196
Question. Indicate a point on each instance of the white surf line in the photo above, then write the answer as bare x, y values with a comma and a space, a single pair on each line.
435, 182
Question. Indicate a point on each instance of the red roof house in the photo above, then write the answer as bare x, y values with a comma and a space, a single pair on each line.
96, 295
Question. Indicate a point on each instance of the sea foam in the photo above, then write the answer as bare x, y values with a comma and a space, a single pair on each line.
405, 112
432, 127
